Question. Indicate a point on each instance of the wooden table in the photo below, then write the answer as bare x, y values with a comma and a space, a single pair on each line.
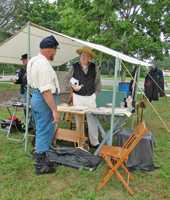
71, 135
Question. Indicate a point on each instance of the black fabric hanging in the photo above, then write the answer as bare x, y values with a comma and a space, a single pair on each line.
130, 100
152, 90
132, 86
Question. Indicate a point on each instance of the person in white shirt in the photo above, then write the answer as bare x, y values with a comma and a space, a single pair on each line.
87, 74
43, 80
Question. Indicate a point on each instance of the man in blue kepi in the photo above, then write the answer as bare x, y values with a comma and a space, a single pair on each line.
22, 80
43, 80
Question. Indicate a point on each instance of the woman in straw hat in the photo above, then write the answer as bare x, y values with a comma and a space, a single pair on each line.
88, 84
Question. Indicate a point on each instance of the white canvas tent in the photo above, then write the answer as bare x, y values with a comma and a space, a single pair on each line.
12, 49
28, 40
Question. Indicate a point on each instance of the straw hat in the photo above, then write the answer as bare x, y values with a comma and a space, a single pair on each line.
86, 50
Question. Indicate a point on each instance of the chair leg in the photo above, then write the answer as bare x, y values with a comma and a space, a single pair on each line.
66, 117
105, 179
86, 133
71, 127
124, 183
138, 113
75, 144
127, 172
105, 171
107, 168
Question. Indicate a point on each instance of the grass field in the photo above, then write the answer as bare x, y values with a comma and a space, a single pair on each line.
166, 79
18, 180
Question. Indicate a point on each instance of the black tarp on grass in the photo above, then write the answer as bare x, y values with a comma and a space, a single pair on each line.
72, 157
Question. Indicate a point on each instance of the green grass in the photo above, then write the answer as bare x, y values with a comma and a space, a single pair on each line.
112, 78
107, 87
1, 80
18, 180
6, 86
166, 79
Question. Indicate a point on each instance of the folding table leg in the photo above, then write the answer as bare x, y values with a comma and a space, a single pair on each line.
12, 117
99, 147
15, 126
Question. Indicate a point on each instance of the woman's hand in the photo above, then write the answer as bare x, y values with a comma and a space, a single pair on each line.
75, 87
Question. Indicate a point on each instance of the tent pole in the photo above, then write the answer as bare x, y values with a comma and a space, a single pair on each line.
113, 101
100, 63
149, 112
57, 71
28, 89
133, 114
118, 72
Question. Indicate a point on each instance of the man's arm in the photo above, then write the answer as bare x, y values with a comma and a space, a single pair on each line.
66, 81
19, 80
48, 96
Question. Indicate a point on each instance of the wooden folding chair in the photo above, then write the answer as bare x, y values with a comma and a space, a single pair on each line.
115, 156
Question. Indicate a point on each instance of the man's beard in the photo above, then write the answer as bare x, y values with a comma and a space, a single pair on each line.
52, 57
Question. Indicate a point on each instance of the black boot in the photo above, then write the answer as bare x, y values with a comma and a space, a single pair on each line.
41, 167
50, 164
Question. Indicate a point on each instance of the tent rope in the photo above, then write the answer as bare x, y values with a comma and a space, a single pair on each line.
7, 94
145, 96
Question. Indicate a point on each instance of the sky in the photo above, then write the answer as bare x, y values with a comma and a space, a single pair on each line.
51, 1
